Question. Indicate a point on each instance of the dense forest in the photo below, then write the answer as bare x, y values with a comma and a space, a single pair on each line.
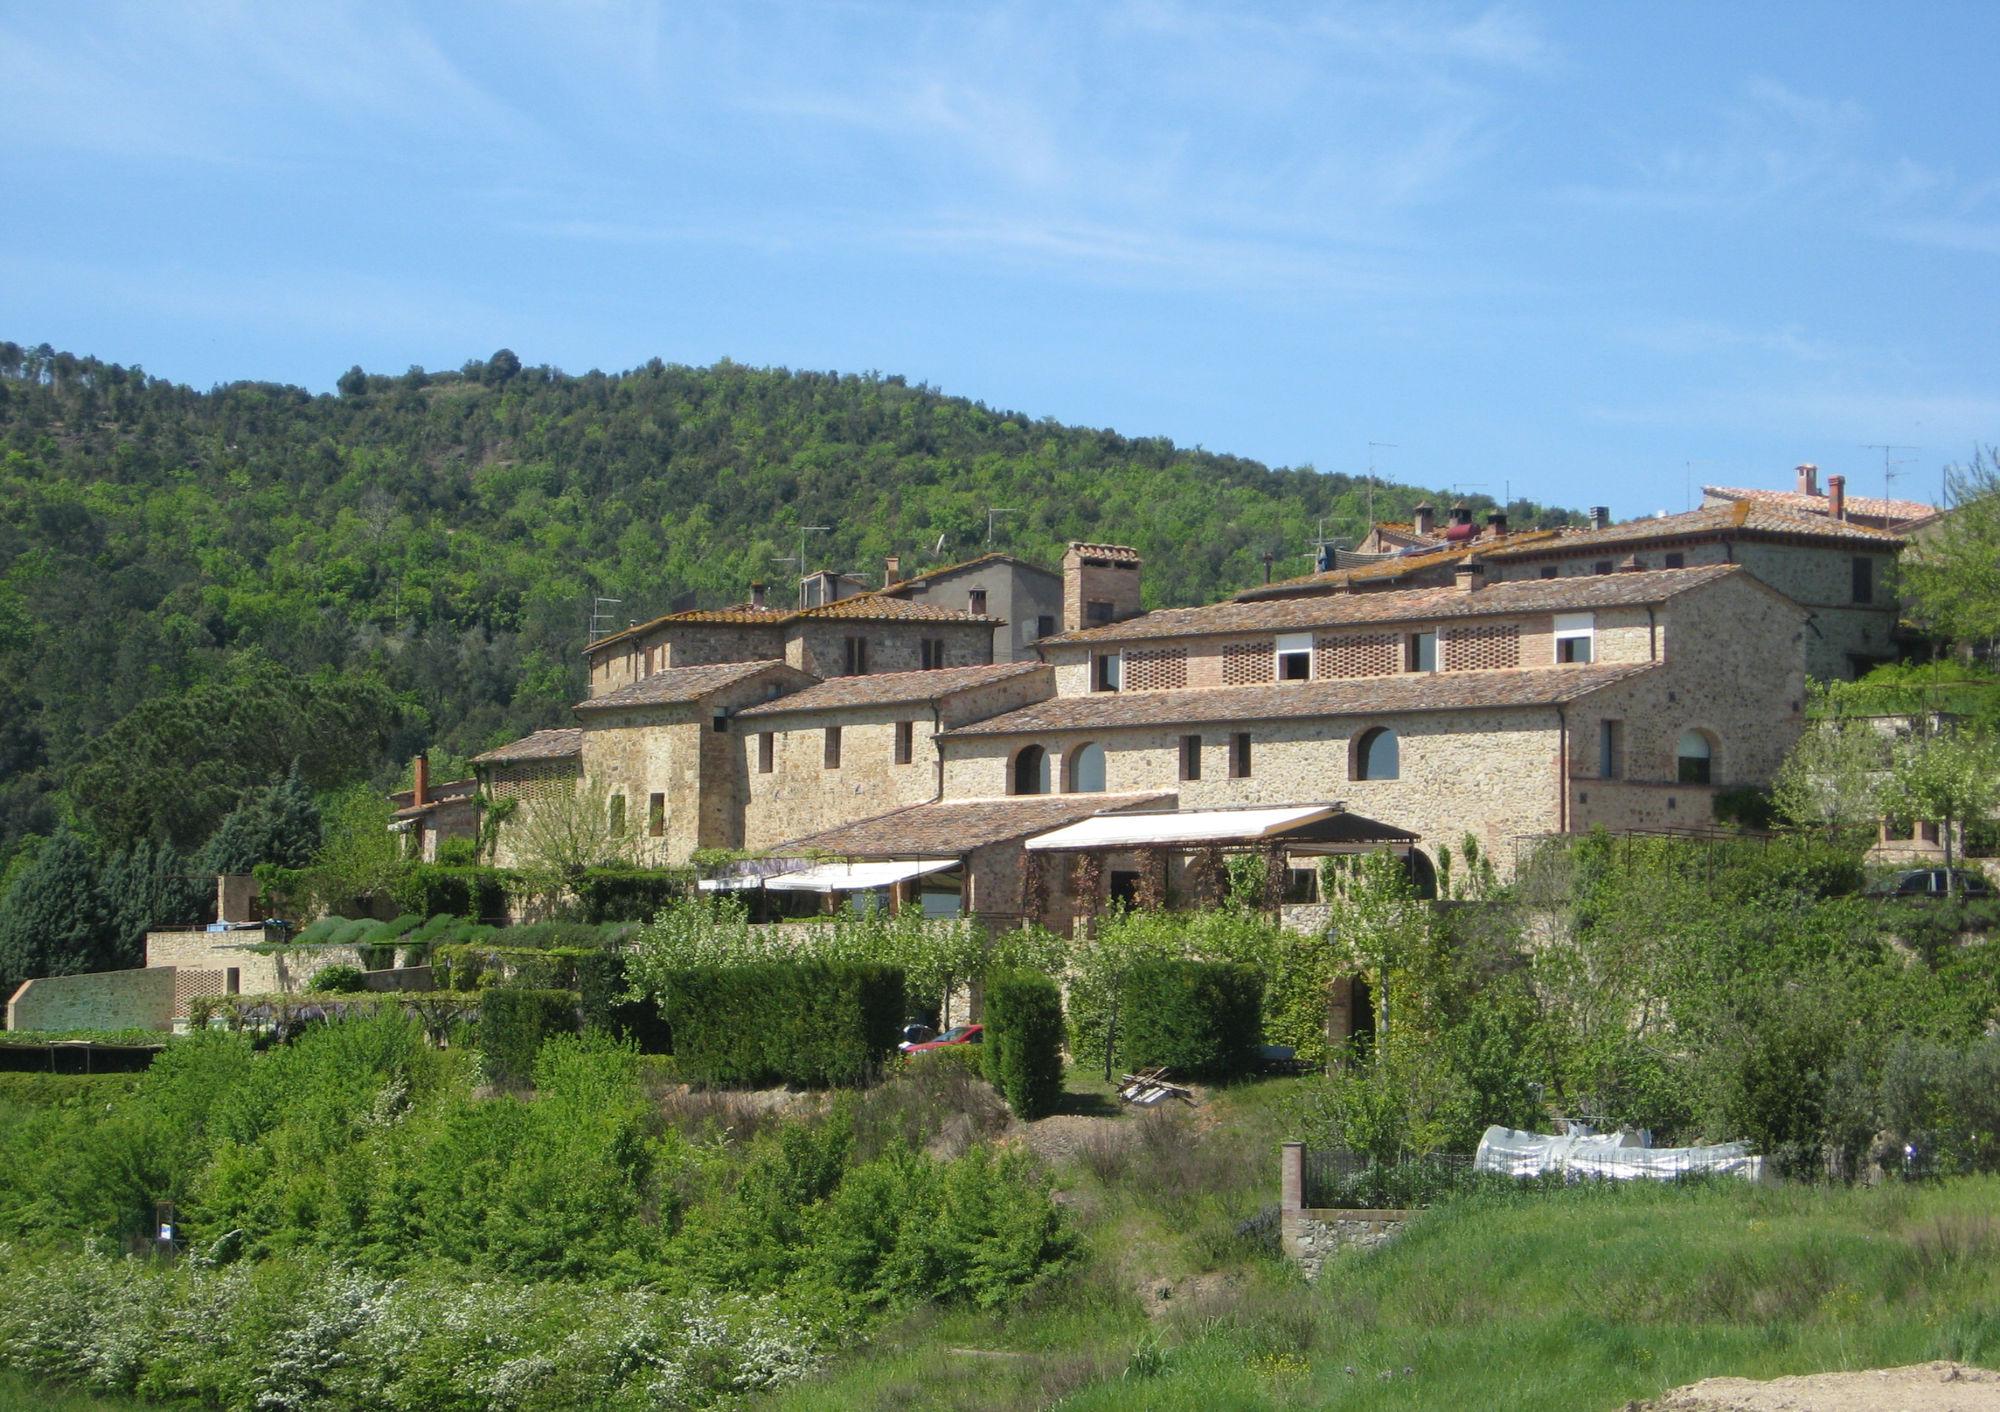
198, 589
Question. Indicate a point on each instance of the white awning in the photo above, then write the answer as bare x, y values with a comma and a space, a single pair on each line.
835, 877
1192, 826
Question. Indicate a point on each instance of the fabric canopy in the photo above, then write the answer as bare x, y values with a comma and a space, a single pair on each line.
1619, 1156
1192, 827
835, 877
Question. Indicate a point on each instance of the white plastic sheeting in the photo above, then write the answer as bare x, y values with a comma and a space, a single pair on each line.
1189, 827
835, 877
1619, 1156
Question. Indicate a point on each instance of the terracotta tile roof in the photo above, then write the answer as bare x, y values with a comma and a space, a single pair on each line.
880, 605
679, 685
1760, 521
1365, 696
921, 579
891, 688
1392, 569
948, 828
747, 613
877, 604
451, 792
1871, 506
558, 744
1443, 601
1109, 553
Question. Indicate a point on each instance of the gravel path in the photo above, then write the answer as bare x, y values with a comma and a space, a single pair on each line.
1921, 1387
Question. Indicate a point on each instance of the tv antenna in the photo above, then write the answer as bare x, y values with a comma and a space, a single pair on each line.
799, 562
1890, 461
991, 511
604, 616
1687, 481
1373, 447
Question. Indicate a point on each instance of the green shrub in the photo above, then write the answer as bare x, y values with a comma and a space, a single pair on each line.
630, 894
324, 929
458, 852
602, 989
475, 893
1023, 1040
513, 1022
1198, 1018
805, 1022
332, 979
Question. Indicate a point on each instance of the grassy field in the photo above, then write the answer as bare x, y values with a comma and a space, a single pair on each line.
1587, 1297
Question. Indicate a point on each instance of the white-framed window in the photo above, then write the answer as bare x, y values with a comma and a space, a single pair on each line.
1295, 656
1576, 637
1420, 652
1105, 671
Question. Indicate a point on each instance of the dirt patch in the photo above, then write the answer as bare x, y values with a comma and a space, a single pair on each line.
1921, 1387
1160, 1297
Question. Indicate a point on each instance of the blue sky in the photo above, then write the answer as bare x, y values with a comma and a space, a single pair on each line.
1566, 250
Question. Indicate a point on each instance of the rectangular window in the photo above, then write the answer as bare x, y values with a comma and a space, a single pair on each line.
1190, 757
978, 602
932, 653
656, 815
1045, 626
1239, 756
1603, 566
831, 760
1420, 652
1104, 673
1551, 572
1574, 632
232, 980
906, 742
720, 725
1610, 748
764, 752
857, 656
1097, 611
1677, 561
1301, 885
1295, 656
1864, 580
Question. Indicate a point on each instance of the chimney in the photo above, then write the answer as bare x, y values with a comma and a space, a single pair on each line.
1100, 585
1600, 517
1461, 513
421, 794
1836, 494
1808, 479
1469, 575
1496, 523
1423, 520
892, 571
756, 595
1269, 559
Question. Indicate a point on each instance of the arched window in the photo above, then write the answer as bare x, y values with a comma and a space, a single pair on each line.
1031, 770
1377, 756
1084, 769
1696, 758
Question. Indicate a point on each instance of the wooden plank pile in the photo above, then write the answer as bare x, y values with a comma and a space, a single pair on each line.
1151, 1087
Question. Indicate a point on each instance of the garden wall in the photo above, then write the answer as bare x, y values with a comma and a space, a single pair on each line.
99, 1000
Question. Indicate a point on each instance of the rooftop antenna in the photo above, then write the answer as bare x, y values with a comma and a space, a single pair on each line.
1687, 479
604, 616
800, 560
1373, 447
1890, 475
991, 511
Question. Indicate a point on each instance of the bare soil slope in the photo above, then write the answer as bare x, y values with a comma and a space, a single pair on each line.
1921, 1387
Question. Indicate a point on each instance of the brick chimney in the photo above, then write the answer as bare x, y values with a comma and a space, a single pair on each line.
756, 595
1461, 513
1100, 585
1496, 524
1600, 517
420, 794
1836, 496
1470, 575
1423, 520
1808, 478
892, 571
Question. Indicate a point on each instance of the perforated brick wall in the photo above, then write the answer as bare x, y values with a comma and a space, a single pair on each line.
1162, 669
534, 781
1361, 654
1482, 647
1249, 663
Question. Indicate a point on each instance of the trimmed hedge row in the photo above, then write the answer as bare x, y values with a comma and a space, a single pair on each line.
1199, 1018
803, 1022
513, 1022
630, 894
1023, 1040
428, 889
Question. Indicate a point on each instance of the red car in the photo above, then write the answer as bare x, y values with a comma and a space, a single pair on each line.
951, 1038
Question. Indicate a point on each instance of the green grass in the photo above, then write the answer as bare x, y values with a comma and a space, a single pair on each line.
1584, 1297
18, 1394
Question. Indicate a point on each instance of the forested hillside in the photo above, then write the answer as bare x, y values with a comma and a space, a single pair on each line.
198, 587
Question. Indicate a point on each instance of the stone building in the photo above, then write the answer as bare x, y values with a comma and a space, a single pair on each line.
1027, 596
1876, 512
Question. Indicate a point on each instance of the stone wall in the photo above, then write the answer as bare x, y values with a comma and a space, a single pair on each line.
1017, 593
801, 796
819, 646
98, 1000
206, 961
1308, 1235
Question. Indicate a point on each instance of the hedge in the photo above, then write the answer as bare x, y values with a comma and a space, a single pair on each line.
1023, 1040
803, 1022
1198, 1018
513, 1022
630, 894
430, 888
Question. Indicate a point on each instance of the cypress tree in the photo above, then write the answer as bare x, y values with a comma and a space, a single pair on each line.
55, 920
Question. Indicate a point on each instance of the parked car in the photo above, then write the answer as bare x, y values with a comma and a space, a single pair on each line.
951, 1038
1932, 882
915, 1033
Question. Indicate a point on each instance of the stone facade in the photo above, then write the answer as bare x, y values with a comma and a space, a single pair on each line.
220, 963
100, 1000
1026, 595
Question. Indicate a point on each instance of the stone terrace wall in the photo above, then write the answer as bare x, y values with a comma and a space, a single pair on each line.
100, 1000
